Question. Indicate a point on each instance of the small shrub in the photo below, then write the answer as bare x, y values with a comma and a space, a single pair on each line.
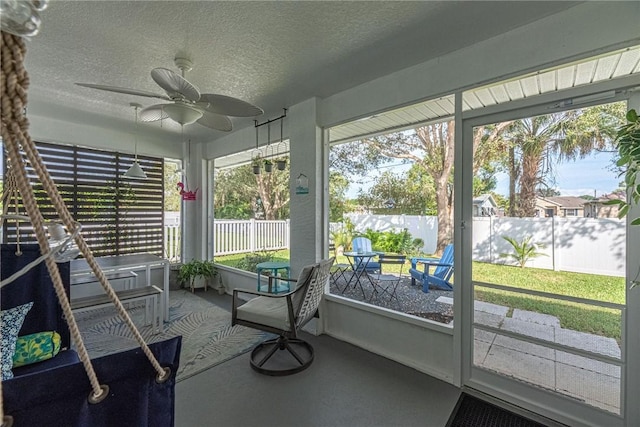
400, 242
344, 235
249, 262
523, 251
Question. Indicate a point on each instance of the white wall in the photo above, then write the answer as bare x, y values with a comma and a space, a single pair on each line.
115, 135
423, 345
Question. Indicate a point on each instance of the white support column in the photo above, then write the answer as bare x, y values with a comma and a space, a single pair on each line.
632, 321
307, 213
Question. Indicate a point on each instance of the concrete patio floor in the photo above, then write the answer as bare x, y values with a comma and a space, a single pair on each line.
594, 382
591, 381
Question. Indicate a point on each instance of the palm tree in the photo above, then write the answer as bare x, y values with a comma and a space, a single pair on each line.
523, 251
536, 142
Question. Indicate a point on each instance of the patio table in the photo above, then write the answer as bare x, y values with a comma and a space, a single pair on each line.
274, 267
130, 262
358, 261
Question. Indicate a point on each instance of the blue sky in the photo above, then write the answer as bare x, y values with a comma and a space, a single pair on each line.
573, 178
576, 178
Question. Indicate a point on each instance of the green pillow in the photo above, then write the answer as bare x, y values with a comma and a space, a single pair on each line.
10, 322
36, 348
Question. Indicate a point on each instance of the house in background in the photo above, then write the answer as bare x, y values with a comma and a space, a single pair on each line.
485, 205
564, 206
597, 208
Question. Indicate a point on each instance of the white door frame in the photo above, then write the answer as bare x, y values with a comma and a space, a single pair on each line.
546, 403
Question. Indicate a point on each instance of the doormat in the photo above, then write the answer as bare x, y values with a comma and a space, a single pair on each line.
473, 412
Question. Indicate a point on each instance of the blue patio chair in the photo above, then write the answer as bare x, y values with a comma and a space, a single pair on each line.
440, 277
363, 244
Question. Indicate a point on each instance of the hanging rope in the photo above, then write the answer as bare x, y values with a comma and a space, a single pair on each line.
15, 81
10, 191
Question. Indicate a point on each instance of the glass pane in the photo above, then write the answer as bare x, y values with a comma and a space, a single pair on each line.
394, 193
542, 225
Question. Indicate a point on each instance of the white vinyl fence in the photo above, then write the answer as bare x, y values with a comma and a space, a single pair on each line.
585, 245
237, 236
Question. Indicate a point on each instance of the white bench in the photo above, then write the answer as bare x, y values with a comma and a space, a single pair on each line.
85, 285
148, 294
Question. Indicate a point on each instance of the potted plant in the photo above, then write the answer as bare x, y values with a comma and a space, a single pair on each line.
255, 164
281, 164
197, 274
268, 165
628, 145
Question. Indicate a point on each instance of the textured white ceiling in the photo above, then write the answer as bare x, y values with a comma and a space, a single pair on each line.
272, 54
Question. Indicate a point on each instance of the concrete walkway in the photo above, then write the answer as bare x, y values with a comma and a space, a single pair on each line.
594, 382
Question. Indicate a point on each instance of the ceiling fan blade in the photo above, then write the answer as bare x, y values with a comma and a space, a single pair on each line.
124, 90
153, 113
228, 106
174, 84
215, 121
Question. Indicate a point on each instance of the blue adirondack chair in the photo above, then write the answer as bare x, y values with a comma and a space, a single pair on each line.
440, 276
363, 244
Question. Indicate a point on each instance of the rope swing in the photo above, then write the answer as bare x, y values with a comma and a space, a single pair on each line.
21, 151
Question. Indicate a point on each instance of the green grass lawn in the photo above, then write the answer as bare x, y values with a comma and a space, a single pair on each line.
579, 317
236, 259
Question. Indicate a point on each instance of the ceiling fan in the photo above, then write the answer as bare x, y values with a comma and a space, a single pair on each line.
187, 105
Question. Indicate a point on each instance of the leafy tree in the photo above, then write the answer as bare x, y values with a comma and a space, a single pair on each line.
338, 185
351, 161
273, 190
430, 149
241, 194
172, 175
501, 201
411, 192
342, 236
484, 181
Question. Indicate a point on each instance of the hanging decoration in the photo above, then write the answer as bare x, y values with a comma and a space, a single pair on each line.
268, 164
186, 194
281, 163
302, 184
257, 157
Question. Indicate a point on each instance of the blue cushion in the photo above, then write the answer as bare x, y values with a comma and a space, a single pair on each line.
11, 321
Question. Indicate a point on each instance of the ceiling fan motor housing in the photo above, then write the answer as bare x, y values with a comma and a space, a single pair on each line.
183, 64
